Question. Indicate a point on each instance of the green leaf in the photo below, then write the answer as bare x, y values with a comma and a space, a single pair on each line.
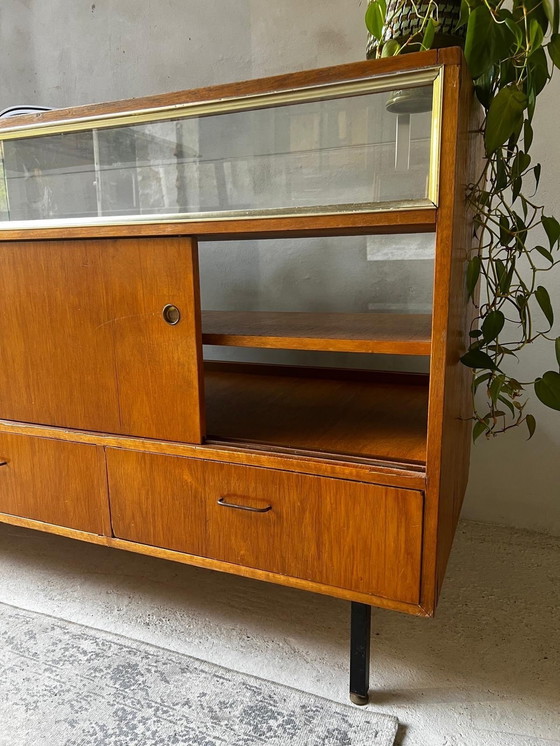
538, 72
506, 278
375, 19
521, 230
483, 89
429, 34
501, 173
495, 388
492, 325
552, 228
480, 41
505, 117
516, 32
535, 34
479, 429
554, 49
545, 252
551, 9
481, 379
500, 268
508, 404
543, 299
502, 40
464, 17
547, 389
507, 73
522, 308
390, 48
557, 349
527, 135
531, 425
502, 350
473, 273
537, 173
521, 163
505, 231
478, 359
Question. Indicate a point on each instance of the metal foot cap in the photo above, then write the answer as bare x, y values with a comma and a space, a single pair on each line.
359, 699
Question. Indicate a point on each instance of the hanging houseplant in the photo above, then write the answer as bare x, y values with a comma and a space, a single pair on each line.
511, 51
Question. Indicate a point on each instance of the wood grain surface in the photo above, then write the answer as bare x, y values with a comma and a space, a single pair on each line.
339, 466
450, 406
86, 357
83, 343
217, 565
382, 333
382, 417
53, 481
411, 220
348, 535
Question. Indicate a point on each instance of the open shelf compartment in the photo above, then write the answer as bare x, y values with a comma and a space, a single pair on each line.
364, 414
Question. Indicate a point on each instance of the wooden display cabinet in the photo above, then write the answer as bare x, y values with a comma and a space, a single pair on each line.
342, 479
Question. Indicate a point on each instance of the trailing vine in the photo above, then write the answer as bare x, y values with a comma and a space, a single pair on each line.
508, 47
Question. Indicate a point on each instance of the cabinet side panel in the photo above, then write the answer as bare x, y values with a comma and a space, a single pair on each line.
449, 426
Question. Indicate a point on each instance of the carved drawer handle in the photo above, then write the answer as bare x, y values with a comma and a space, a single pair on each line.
223, 502
3, 463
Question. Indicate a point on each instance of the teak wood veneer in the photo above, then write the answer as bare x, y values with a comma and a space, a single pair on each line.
115, 431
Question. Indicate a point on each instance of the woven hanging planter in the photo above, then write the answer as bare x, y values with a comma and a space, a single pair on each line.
405, 19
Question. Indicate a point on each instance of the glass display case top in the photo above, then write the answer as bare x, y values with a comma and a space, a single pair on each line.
357, 146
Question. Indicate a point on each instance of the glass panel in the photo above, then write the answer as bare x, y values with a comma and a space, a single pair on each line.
351, 286
50, 177
332, 154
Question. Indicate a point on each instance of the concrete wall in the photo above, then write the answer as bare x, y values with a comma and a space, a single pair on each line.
65, 52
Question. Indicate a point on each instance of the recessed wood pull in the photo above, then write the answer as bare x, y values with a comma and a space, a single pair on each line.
3, 463
225, 504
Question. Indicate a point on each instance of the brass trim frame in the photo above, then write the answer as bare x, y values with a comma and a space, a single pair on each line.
435, 139
377, 84
217, 217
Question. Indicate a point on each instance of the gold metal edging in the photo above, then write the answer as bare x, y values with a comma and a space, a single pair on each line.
6, 197
435, 139
376, 84
174, 218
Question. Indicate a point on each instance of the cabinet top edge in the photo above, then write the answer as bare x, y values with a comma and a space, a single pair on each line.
413, 62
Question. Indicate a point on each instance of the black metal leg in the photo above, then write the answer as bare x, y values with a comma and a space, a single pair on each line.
360, 629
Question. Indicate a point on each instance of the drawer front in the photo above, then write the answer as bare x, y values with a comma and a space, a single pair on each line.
364, 538
54, 482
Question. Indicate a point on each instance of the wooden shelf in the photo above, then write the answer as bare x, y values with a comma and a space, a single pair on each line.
356, 413
383, 333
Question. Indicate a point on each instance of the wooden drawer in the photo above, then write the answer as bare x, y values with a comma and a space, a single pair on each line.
364, 538
54, 482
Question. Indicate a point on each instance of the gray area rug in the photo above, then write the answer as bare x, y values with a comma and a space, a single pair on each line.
62, 684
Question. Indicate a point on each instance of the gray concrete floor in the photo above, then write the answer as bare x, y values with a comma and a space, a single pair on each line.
485, 672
